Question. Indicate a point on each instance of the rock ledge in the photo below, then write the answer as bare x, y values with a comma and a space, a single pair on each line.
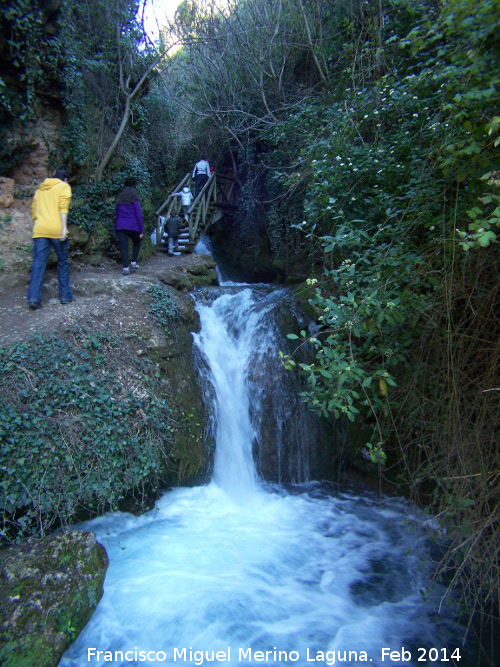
49, 588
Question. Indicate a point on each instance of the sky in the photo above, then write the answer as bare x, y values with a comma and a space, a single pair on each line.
157, 10
155, 13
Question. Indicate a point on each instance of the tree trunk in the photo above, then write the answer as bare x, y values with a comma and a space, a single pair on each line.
104, 162
311, 44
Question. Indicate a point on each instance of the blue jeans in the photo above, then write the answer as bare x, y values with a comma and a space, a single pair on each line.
41, 249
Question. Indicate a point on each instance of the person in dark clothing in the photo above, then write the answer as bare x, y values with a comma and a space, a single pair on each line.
129, 225
201, 174
173, 227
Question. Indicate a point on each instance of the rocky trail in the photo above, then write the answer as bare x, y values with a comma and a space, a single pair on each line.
103, 296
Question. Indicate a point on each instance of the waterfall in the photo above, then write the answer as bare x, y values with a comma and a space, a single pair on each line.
259, 417
242, 573
228, 342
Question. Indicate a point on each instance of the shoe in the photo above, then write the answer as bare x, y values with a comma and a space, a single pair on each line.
35, 306
126, 271
134, 266
73, 298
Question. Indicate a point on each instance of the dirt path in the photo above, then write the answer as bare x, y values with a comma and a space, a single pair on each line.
103, 295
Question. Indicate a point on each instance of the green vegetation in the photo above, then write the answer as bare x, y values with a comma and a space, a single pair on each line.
92, 62
365, 138
77, 435
163, 307
399, 180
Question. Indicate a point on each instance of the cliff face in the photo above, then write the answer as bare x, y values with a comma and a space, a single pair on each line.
37, 144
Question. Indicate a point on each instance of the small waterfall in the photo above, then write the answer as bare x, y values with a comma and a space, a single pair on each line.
226, 573
204, 247
259, 419
228, 343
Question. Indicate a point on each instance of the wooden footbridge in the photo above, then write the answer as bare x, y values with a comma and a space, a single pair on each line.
217, 197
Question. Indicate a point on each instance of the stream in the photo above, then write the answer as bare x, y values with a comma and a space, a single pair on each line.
244, 572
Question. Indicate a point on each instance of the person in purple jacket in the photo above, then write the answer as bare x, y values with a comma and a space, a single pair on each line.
129, 225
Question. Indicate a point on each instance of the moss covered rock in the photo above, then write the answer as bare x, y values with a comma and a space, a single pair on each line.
185, 278
190, 456
49, 589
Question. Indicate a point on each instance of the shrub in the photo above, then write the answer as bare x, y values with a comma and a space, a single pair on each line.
75, 436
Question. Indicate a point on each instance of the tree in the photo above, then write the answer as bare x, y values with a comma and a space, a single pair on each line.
251, 65
135, 70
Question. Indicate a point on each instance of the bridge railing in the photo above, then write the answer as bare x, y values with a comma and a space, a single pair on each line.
218, 192
227, 190
170, 207
202, 207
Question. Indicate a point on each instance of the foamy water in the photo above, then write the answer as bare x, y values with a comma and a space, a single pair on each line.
241, 573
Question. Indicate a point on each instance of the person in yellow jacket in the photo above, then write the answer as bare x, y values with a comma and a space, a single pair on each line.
50, 213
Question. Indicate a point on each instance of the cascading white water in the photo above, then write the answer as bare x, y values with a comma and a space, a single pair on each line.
240, 573
227, 340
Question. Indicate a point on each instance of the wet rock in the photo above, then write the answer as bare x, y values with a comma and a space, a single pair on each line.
49, 589
204, 267
293, 444
177, 279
